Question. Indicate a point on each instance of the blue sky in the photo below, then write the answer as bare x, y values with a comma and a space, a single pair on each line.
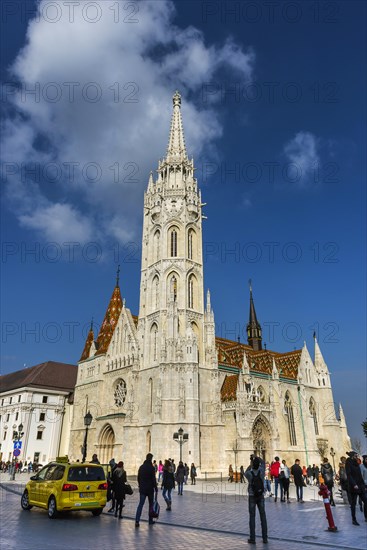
273, 109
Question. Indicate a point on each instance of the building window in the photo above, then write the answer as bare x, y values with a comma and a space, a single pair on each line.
288, 409
16, 416
7, 417
2, 402
120, 393
44, 399
19, 398
189, 244
5, 435
150, 386
10, 400
312, 410
173, 242
39, 434
42, 417
191, 292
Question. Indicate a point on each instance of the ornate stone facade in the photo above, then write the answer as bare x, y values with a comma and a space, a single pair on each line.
146, 376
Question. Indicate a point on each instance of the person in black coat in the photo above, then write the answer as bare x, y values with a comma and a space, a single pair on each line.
119, 480
168, 483
356, 485
328, 474
180, 477
147, 485
296, 472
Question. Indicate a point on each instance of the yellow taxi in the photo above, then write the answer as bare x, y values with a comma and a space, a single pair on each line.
63, 487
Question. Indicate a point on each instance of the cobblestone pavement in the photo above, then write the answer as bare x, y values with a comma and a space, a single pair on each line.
202, 518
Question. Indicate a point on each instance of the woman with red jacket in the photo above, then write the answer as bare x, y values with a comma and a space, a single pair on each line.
274, 472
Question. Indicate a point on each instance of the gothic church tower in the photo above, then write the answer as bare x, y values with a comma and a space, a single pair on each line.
176, 337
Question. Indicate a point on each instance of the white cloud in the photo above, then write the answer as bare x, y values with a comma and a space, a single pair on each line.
302, 152
117, 137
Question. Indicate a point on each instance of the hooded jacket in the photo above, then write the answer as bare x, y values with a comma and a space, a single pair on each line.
328, 474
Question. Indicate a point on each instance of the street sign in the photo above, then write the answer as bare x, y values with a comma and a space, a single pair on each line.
17, 444
16, 452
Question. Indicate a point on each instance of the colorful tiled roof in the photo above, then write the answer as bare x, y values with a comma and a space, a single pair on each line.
87, 346
228, 390
231, 354
109, 322
51, 374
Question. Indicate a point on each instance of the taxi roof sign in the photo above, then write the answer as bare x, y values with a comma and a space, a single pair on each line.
64, 459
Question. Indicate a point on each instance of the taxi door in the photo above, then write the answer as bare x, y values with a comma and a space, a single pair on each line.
35, 487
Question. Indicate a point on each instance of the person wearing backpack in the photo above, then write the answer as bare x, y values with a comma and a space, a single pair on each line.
328, 474
274, 472
255, 477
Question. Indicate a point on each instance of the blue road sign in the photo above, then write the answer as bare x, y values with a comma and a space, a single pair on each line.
17, 445
16, 452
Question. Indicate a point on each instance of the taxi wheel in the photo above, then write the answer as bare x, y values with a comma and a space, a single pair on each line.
97, 512
25, 501
52, 509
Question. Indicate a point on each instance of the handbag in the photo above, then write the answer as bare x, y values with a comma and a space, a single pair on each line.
155, 508
128, 489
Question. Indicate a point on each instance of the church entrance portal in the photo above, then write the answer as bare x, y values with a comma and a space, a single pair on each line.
261, 438
106, 444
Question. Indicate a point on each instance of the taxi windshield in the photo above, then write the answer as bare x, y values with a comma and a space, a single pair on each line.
86, 473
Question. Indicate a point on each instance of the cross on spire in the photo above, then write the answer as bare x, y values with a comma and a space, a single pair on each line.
118, 275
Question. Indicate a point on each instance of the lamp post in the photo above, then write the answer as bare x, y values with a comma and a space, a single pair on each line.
87, 422
17, 436
333, 453
181, 438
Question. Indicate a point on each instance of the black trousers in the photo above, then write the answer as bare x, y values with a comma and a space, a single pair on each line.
353, 498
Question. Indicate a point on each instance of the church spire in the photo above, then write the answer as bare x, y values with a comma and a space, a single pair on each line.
176, 151
253, 327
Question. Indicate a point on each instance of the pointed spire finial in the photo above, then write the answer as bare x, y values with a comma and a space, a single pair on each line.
118, 275
91, 324
254, 337
250, 285
176, 151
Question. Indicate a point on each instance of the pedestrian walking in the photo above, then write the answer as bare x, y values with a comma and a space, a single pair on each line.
316, 475
230, 473
267, 481
255, 477
180, 477
147, 485
187, 471
168, 483
356, 484
160, 471
110, 490
344, 481
328, 476
242, 475
296, 472
309, 475
304, 473
193, 474
274, 472
95, 459
285, 474
119, 480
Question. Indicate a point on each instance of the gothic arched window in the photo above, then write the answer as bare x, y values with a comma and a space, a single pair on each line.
154, 341
191, 291
155, 292
156, 241
190, 244
288, 409
173, 288
150, 390
173, 242
312, 409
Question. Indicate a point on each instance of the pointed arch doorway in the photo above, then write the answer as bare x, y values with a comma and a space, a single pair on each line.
261, 437
106, 444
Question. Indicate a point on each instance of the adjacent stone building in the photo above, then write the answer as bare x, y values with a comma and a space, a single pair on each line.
40, 399
145, 376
